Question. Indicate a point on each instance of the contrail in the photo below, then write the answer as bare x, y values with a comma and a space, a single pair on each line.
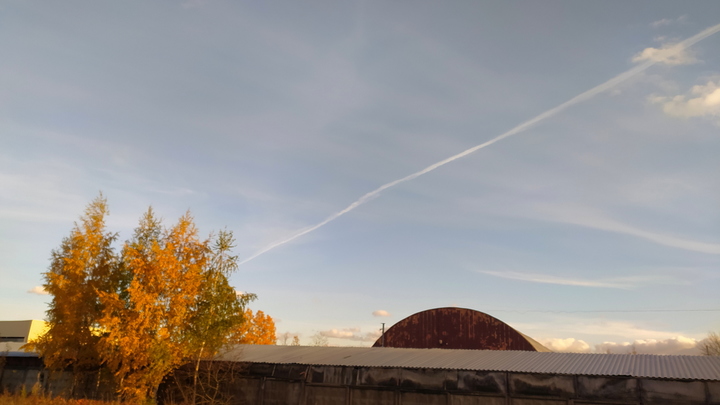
520, 128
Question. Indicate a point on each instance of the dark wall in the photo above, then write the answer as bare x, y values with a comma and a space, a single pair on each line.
28, 374
269, 384
304, 385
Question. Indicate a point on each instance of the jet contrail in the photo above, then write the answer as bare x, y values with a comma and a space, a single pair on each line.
522, 127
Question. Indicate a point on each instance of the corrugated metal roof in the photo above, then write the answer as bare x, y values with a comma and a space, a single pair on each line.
19, 354
630, 365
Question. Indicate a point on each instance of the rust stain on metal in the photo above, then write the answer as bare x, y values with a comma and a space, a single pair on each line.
454, 328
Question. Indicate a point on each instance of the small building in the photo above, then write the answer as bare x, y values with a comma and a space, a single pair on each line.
14, 334
17, 367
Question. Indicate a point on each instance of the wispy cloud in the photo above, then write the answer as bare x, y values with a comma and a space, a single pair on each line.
608, 85
39, 193
668, 21
702, 101
624, 283
381, 312
592, 219
39, 290
354, 334
590, 327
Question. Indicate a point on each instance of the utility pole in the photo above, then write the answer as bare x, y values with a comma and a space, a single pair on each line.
382, 337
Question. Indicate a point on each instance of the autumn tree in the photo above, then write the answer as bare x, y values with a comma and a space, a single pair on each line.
163, 301
179, 306
83, 265
143, 340
258, 329
217, 313
219, 309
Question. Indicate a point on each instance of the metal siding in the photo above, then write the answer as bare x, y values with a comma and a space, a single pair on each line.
619, 365
455, 328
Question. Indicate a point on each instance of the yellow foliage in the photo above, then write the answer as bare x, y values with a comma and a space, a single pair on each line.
257, 330
144, 341
82, 265
163, 301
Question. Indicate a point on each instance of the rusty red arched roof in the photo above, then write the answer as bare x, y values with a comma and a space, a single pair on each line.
456, 328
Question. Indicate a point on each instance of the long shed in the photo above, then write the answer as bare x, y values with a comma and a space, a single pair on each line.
354, 375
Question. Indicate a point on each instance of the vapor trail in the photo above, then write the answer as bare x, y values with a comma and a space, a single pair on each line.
520, 128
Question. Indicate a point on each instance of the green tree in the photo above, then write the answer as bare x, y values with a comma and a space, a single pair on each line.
84, 265
219, 309
217, 313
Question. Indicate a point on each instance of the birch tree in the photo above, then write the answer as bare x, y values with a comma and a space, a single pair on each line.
163, 301
84, 264
145, 337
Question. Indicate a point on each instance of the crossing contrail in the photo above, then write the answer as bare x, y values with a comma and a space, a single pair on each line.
520, 128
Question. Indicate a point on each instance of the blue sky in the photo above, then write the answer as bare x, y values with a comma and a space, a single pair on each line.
596, 227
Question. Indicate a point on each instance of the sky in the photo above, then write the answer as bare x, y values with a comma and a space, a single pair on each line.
329, 137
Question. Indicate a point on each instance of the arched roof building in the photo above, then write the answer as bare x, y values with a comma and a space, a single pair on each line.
456, 328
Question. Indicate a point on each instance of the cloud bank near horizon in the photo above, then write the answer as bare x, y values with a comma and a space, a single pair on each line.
353, 334
679, 345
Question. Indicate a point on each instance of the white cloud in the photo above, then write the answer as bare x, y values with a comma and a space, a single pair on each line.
619, 282
569, 345
703, 100
669, 54
675, 345
381, 312
347, 333
351, 334
594, 329
39, 290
